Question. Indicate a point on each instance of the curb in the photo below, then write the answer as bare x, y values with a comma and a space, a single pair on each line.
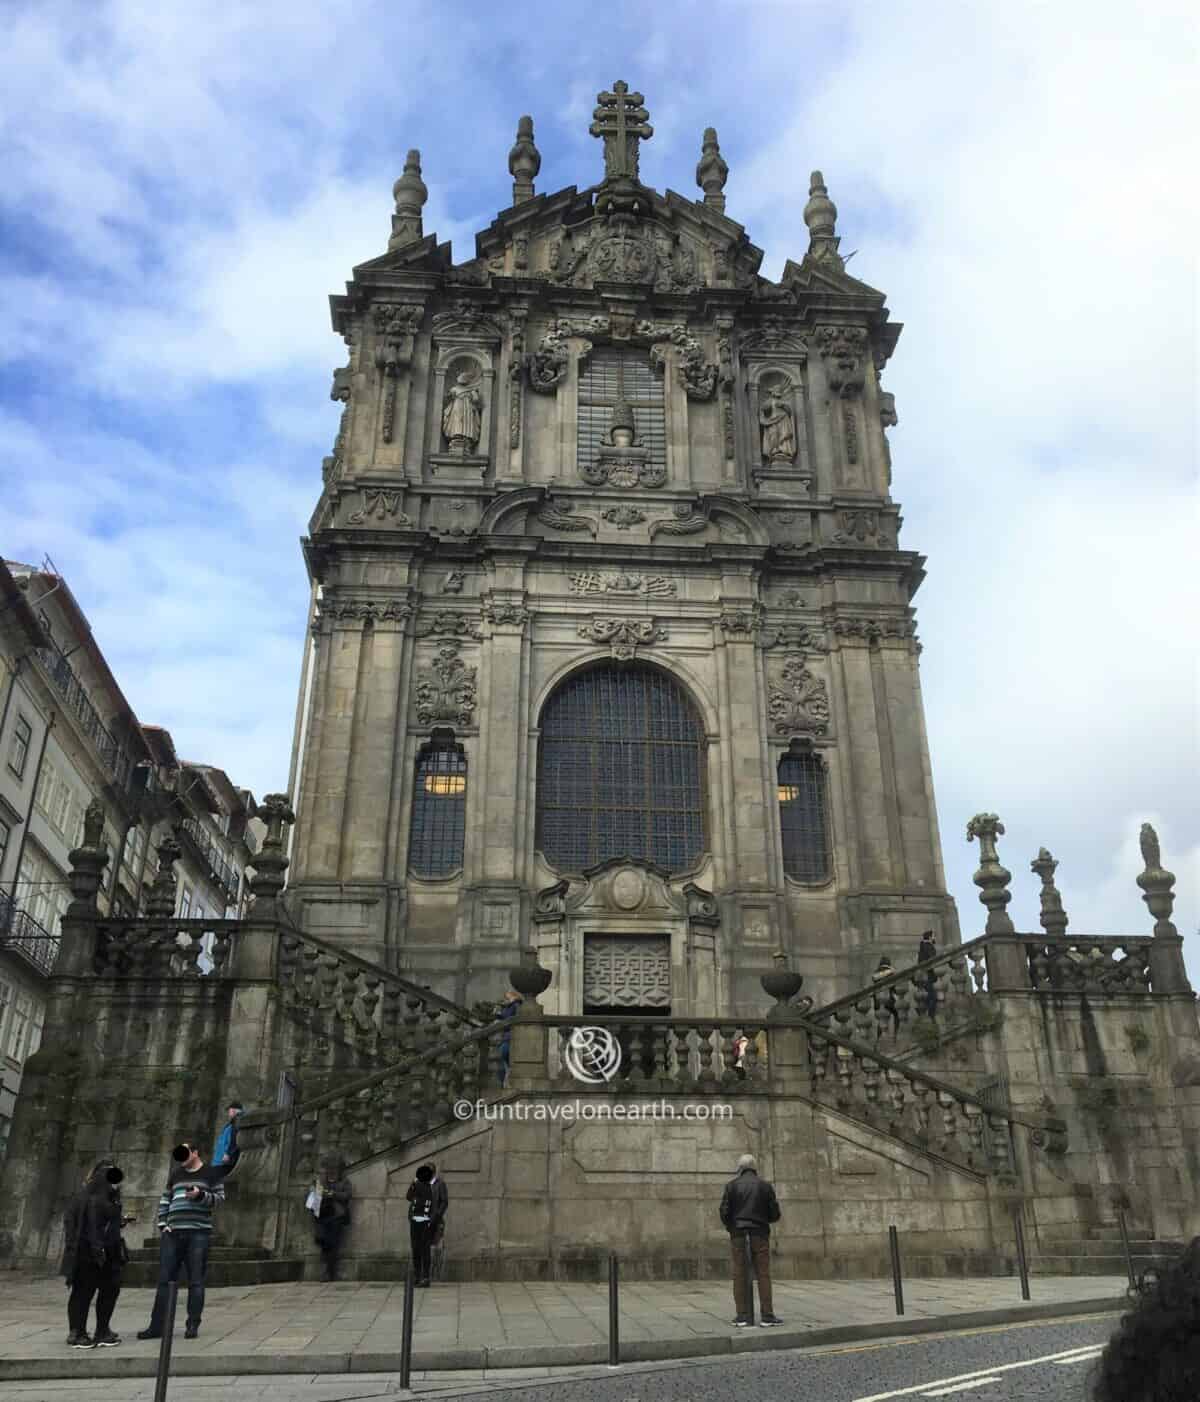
91, 1364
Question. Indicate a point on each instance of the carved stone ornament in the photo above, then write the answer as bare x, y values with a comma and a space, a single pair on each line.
799, 703
872, 630
517, 316
93, 824
623, 634
365, 610
623, 516
453, 582
548, 363
501, 613
843, 348
445, 691
797, 637
741, 622
631, 585
560, 516
623, 460
684, 520
448, 622
396, 324
698, 378
331, 467
861, 527
777, 425
379, 504
462, 413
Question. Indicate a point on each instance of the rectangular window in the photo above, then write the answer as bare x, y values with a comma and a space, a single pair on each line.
609, 375
44, 793
6, 996
35, 1030
18, 750
18, 1026
185, 903
5, 834
60, 812
198, 913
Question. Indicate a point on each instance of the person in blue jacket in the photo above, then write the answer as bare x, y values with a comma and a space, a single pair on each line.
226, 1149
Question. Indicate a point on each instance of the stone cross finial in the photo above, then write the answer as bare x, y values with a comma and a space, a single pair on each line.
1053, 916
712, 172
820, 214
410, 195
524, 161
271, 862
1156, 883
991, 878
621, 121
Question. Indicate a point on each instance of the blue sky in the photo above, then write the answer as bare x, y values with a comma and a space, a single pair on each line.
184, 187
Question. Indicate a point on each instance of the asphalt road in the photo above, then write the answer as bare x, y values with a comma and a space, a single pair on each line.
1049, 1361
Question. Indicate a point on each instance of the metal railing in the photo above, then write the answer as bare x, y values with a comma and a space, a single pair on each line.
28, 937
75, 694
224, 872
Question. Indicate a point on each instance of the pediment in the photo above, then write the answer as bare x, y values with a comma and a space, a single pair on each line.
811, 276
629, 887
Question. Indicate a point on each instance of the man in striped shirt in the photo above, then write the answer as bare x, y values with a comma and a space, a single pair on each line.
185, 1232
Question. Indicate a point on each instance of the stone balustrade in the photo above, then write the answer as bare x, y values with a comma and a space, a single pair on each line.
668, 1054
156, 948
333, 995
1073, 965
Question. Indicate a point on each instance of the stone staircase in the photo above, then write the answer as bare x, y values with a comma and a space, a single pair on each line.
227, 1265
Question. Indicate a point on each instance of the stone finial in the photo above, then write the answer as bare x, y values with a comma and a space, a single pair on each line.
530, 979
524, 161
621, 121
991, 878
93, 824
88, 861
712, 172
271, 863
820, 214
622, 428
1053, 916
1156, 883
410, 195
161, 899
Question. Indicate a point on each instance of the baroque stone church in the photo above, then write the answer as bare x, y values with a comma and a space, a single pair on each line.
612, 625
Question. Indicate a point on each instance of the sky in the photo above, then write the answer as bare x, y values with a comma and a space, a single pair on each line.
184, 186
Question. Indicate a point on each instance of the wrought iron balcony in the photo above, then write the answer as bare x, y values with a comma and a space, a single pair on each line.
223, 872
74, 693
20, 932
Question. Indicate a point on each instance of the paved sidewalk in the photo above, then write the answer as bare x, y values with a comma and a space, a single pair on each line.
309, 1329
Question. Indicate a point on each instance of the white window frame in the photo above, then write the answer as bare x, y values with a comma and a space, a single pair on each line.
22, 739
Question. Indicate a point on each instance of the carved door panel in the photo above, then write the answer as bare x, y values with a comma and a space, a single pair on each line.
624, 972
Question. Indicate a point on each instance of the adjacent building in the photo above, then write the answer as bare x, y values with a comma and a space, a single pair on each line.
68, 736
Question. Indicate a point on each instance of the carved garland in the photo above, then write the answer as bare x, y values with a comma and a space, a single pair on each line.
623, 634
446, 691
379, 504
396, 323
799, 703
547, 365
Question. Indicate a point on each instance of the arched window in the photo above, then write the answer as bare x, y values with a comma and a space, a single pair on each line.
439, 810
621, 771
804, 818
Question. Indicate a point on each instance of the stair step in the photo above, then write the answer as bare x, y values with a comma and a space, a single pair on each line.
142, 1272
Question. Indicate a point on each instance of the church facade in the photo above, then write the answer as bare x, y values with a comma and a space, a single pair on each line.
613, 650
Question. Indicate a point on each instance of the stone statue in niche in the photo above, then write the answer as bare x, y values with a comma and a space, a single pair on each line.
462, 416
777, 423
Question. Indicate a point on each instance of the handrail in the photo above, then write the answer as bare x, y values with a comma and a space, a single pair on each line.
945, 957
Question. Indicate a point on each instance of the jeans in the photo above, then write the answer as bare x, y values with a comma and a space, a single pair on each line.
760, 1250
104, 1282
329, 1238
187, 1251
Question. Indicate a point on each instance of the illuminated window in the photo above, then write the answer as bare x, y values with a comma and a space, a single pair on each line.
439, 810
621, 771
804, 818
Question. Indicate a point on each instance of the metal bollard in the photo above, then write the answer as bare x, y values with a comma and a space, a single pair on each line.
406, 1326
749, 1278
1126, 1248
1022, 1262
164, 1349
897, 1283
614, 1318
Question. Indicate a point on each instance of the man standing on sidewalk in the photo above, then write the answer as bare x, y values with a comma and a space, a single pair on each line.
748, 1207
185, 1231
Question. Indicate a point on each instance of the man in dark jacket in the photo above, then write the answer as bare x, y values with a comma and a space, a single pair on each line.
423, 1221
748, 1207
332, 1215
185, 1232
94, 1256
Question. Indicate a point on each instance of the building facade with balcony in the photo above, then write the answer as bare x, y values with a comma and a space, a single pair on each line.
69, 737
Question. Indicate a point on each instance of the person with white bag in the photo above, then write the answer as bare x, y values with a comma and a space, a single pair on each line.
329, 1202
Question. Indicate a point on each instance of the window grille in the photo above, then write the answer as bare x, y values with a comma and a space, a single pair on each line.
439, 811
621, 771
804, 818
607, 376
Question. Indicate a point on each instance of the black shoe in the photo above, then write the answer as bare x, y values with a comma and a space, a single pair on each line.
79, 1340
741, 1322
191, 1331
108, 1339
149, 1334
769, 1321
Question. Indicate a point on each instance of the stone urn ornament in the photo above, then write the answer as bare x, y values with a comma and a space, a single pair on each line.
529, 978
782, 984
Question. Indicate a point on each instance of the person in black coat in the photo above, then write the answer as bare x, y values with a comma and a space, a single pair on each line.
94, 1256
332, 1216
748, 1208
424, 1221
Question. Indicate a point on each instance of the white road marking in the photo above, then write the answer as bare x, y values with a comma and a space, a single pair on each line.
981, 1375
960, 1387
